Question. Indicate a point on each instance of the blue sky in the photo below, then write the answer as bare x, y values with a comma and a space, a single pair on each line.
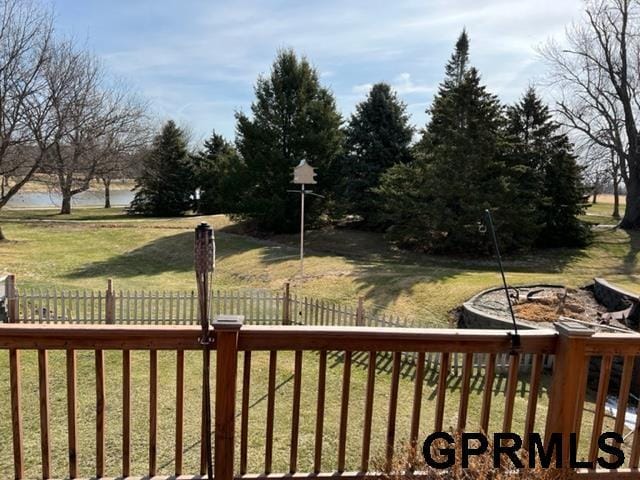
197, 61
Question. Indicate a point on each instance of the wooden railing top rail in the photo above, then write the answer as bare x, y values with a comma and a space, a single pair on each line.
392, 339
185, 337
103, 337
617, 344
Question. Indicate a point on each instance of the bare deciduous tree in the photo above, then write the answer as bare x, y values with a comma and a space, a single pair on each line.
25, 37
601, 170
597, 76
122, 153
597, 169
92, 119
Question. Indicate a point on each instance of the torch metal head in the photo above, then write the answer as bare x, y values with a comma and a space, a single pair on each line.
204, 249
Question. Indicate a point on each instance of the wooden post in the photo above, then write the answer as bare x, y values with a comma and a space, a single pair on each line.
12, 299
226, 329
360, 312
286, 306
110, 304
564, 399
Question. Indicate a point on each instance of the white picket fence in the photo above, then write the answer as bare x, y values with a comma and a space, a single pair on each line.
181, 308
259, 307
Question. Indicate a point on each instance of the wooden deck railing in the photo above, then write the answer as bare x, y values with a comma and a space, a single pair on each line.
354, 398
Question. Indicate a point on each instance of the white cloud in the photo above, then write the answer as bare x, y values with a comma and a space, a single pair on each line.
362, 88
188, 58
402, 84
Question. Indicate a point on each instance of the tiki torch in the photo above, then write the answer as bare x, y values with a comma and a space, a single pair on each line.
204, 257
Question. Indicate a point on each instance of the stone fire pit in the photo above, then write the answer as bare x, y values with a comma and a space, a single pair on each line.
539, 306
603, 305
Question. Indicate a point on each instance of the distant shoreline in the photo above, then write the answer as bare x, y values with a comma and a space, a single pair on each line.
39, 185
49, 199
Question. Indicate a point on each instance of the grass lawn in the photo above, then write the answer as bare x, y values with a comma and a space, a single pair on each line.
257, 417
600, 213
84, 249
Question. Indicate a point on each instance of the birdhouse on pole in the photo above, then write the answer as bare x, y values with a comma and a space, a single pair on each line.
304, 174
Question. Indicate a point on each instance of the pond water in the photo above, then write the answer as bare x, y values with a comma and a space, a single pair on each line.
92, 198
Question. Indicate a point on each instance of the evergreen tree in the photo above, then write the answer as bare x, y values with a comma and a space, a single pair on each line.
377, 137
458, 65
465, 168
165, 184
294, 118
219, 173
459, 171
553, 183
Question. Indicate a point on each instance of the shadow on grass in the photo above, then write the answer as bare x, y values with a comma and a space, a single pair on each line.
384, 365
171, 253
382, 273
238, 415
631, 257
385, 273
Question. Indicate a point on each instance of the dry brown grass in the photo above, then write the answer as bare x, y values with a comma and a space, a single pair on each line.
408, 463
608, 198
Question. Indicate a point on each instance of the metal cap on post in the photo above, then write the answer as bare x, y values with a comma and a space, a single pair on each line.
569, 328
228, 322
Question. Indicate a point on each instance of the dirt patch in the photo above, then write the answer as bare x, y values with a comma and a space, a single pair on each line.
543, 305
536, 312
548, 305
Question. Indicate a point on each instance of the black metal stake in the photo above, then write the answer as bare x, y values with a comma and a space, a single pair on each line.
515, 337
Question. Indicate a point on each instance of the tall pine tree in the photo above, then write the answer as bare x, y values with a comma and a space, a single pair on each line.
294, 118
552, 182
458, 65
219, 172
166, 183
377, 137
459, 171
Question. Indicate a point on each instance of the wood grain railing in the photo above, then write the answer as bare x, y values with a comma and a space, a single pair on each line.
318, 401
606, 370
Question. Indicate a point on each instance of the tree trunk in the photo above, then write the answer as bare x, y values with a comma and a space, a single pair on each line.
631, 219
2, 237
107, 192
595, 197
616, 198
66, 203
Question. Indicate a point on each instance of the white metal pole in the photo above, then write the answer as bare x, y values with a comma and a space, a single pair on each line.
302, 231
